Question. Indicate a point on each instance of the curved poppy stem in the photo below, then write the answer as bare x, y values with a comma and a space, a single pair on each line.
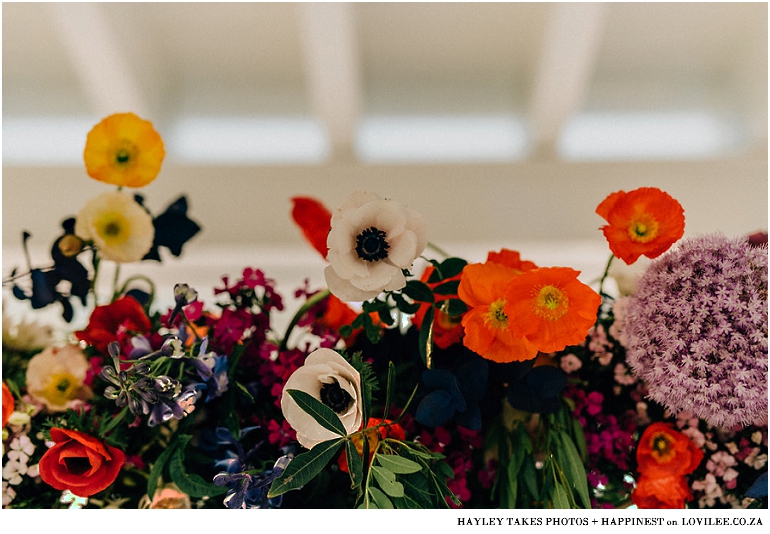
312, 301
605, 274
131, 279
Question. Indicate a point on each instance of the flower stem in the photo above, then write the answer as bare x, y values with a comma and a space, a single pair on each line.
312, 301
605, 274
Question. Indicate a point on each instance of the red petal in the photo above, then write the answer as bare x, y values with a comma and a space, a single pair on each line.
314, 219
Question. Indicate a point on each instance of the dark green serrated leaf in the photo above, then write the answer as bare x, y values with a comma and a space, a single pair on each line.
305, 467
397, 464
419, 291
322, 414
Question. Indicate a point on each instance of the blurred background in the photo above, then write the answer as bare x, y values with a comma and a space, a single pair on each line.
505, 124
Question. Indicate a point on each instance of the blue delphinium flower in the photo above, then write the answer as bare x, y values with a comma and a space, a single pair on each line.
248, 486
212, 369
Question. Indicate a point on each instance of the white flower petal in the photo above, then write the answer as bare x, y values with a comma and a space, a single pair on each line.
351, 277
324, 366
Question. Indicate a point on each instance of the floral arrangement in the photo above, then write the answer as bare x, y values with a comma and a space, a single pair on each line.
414, 379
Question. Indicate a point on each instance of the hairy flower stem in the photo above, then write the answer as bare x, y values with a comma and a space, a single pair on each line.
312, 301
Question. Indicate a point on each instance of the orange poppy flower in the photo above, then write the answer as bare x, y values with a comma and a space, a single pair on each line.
551, 308
664, 452
487, 324
124, 150
645, 221
315, 221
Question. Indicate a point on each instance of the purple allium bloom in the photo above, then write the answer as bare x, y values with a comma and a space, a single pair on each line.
697, 330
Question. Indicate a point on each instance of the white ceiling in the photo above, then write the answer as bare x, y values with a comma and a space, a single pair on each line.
549, 80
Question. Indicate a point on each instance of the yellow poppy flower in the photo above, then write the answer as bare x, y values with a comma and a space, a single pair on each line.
124, 150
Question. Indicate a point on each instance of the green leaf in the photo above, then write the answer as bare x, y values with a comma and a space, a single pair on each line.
387, 481
386, 317
380, 500
559, 497
190, 483
245, 392
573, 467
322, 414
398, 464
371, 329
157, 467
305, 467
419, 291
447, 269
390, 389
447, 288
355, 465
408, 308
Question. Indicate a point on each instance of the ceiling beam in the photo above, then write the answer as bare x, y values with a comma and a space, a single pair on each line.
332, 70
97, 58
571, 43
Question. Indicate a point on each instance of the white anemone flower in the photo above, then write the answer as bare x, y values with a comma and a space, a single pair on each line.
328, 377
55, 377
371, 242
120, 228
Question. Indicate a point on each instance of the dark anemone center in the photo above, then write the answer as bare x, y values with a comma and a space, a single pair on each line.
77, 466
371, 244
335, 397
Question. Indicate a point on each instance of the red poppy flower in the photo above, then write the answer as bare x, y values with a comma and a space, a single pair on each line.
116, 321
487, 323
512, 259
390, 430
667, 492
551, 308
664, 456
645, 221
663, 452
80, 463
314, 219
8, 404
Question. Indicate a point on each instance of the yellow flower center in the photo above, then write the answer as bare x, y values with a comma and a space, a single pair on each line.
643, 228
662, 451
496, 316
550, 303
61, 387
113, 228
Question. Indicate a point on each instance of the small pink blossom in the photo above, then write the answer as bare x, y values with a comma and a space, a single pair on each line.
570, 363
